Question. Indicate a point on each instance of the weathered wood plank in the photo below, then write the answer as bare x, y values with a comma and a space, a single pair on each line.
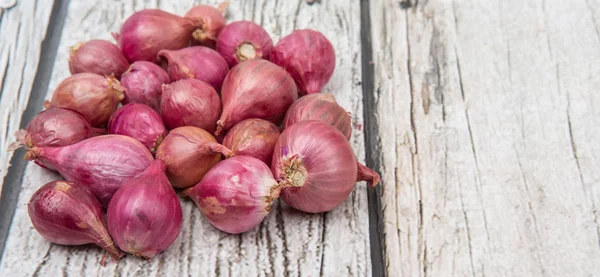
23, 30
288, 243
487, 136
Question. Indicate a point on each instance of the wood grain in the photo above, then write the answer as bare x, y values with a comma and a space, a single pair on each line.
487, 123
288, 243
23, 30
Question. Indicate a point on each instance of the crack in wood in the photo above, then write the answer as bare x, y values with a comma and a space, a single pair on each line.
160, 267
433, 77
296, 14
6, 66
190, 245
421, 254
38, 268
83, 265
67, 263
262, 8
464, 212
576, 157
548, 44
534, 219
470, 244
322, 245
218, 256
270, 249
587, 3
472, 140
281, 233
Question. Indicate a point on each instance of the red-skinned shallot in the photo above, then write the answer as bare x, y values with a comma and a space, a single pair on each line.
143, 82
244, 40
253, 137
236, 194
255, 89
197, 62
139, 122
55, 127
213, 22
95, 97
189, 152
322, 107
144, 216
315, 164
97, 56
68, 214
308, 56
190, 102
100, 164
146, 32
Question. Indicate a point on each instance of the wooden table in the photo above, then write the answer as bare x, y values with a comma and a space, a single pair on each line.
480, 115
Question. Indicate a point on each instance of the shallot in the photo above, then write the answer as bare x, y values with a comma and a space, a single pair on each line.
190, 102
197, 62
236, 194
143, 83
308, 56
55, 127
97, 56
255, 89
189, 152
213, 22
100, 164
253, 137
139, 122
95, 97
315, 164
66, 213
144, 216
244, 40
322, 107
146, 32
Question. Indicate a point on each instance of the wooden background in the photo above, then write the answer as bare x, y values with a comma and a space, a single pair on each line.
480, 115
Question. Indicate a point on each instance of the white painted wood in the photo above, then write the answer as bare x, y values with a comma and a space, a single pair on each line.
23, 30
288, 243
489, 127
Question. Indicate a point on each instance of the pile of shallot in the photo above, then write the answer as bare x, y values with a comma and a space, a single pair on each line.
189, 105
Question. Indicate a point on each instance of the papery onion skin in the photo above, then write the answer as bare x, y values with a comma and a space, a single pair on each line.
322, 107
139, 122
317, 167
255, 89
197, 62
244, 40
100, 164
189, 152
99, 57
95, 97
190, 102
143, 83
146, 32
144, 216
253, 137
236, 194
68, 214
308, 56
213, 22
